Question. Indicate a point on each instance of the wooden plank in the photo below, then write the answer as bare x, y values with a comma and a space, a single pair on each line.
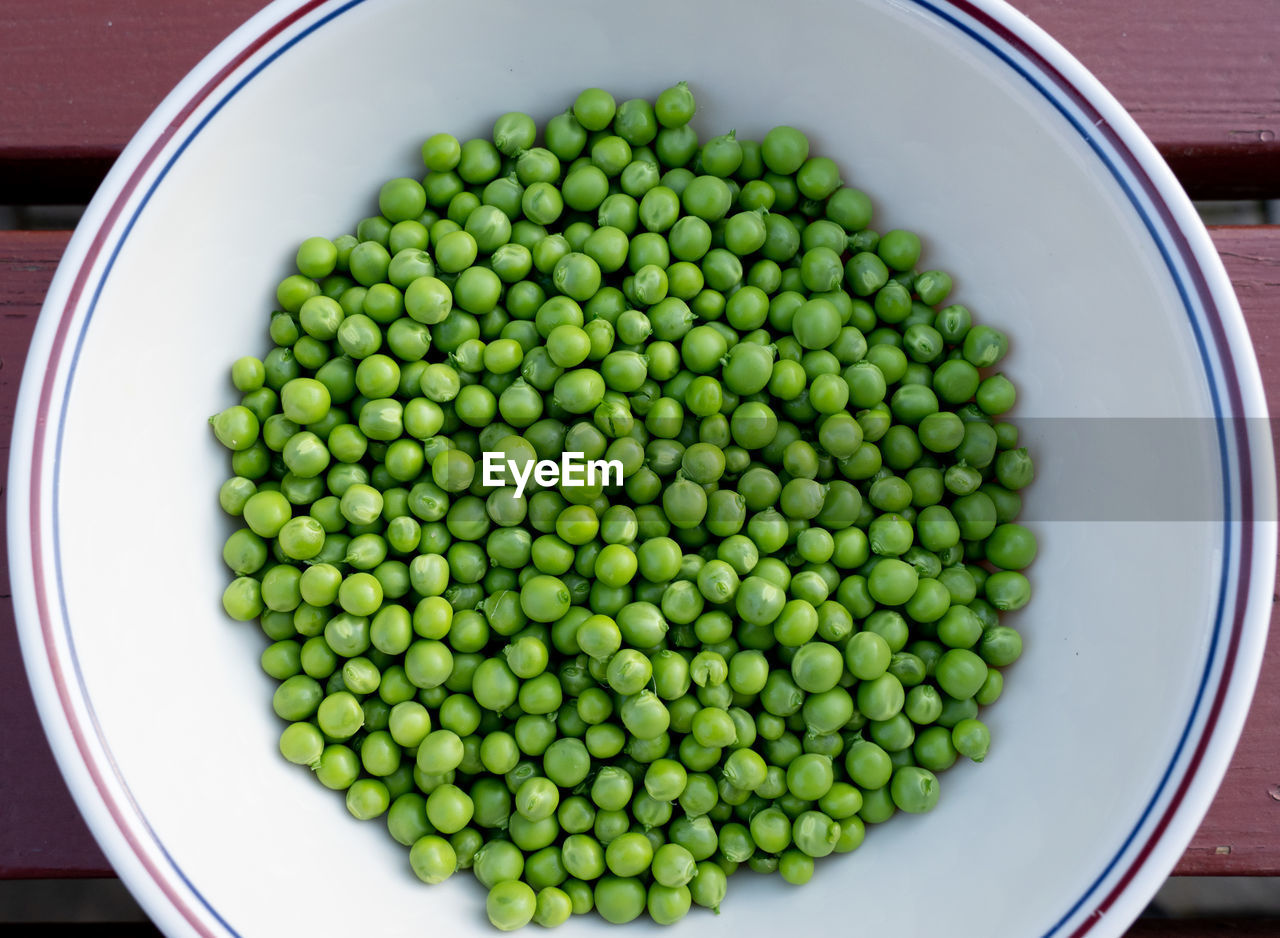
88, 930
79, 76
1205, 928
1199, 78
41, 832
1241, 833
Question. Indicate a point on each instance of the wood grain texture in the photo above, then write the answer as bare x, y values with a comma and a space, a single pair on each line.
1201, 79
88, 930
1241, 833
41, 831
1205, 928
80, 76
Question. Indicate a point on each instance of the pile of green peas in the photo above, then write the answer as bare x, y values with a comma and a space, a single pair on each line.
778, 629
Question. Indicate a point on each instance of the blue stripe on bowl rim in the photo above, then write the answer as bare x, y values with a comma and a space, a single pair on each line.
979, 25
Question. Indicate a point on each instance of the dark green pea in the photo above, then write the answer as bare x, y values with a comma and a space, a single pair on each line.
984, 346
1014, 469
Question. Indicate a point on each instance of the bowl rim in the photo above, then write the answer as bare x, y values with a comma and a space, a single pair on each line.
1114, 897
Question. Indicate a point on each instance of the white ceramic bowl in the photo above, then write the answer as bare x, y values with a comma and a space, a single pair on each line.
967, 124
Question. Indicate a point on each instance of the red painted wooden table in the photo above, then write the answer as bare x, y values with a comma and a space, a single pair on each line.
77, 77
